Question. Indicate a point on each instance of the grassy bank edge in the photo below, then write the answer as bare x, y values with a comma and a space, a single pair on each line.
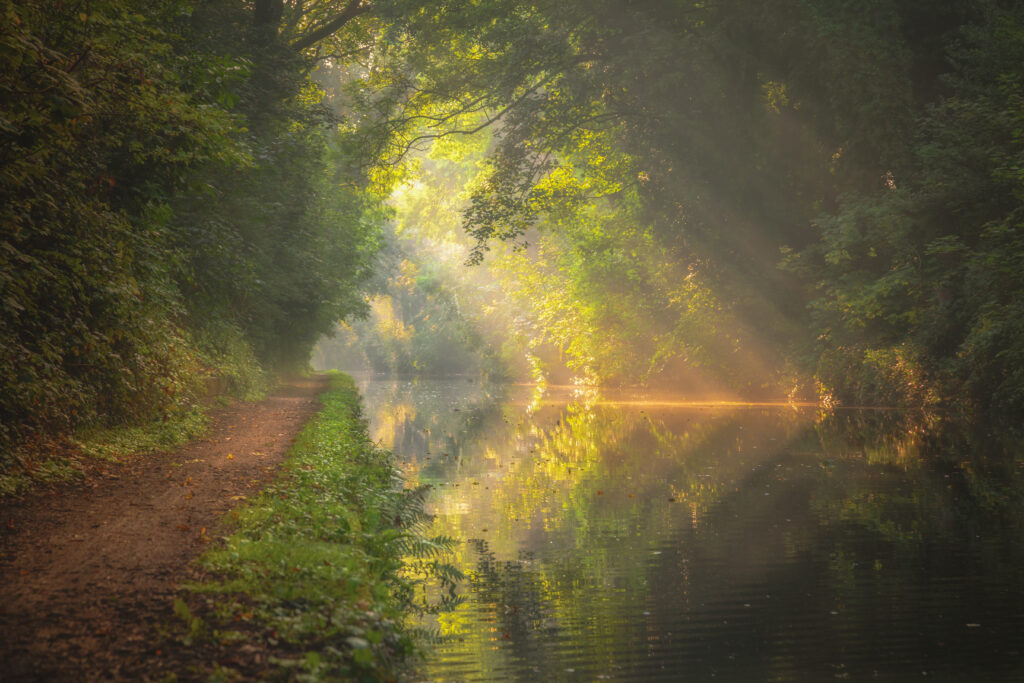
61, 459
319, 573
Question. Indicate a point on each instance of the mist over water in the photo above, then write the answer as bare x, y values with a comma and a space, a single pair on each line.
613, 539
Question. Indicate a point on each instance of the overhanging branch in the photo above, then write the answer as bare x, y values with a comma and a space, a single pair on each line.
352, 10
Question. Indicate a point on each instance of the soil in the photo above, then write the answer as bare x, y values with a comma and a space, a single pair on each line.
88, 573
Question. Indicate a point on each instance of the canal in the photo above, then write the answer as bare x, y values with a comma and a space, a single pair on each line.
635, 537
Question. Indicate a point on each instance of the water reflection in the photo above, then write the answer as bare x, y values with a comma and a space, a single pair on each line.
613, 539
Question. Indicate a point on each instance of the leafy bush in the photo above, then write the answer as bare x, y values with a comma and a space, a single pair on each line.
172, 211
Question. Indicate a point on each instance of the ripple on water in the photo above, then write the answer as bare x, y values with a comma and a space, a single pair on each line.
620, 542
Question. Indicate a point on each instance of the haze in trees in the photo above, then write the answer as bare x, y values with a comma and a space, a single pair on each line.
804, 198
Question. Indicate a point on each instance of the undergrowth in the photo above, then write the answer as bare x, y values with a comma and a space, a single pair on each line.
221, 364
322, 571
63, 459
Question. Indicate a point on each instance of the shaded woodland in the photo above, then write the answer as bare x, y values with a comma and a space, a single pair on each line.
811, 198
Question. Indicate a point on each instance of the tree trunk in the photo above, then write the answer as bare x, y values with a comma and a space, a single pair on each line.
266, 18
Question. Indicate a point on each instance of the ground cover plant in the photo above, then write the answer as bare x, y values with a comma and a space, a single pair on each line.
322, 570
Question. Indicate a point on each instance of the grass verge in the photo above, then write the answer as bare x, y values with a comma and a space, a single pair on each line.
217, 363
61, 459
323, 569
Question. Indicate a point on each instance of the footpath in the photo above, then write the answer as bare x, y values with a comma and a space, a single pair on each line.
88, 573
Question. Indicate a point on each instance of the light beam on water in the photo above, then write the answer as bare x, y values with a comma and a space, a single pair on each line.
669, 539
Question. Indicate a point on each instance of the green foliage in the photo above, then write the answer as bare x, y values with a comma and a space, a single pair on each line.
647, 163
325, 565
933, 263
638, 146
92, 148
195, 626
285, 245
425, 318
173, 218
415, 328
118, 442
230, 361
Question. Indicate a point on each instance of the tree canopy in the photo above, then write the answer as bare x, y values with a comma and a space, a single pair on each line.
777, 191
806, 195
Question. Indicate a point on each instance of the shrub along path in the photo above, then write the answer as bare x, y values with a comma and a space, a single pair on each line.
88, 573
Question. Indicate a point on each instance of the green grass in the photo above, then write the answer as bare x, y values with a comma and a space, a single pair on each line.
115, 443
316, 573
63, 459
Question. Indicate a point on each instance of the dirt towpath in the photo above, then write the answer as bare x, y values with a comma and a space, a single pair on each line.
88, 573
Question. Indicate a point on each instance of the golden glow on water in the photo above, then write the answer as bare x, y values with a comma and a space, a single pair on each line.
596, 528
542, 474
655, 403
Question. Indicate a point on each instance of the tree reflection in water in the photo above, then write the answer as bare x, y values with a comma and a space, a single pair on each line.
658, 541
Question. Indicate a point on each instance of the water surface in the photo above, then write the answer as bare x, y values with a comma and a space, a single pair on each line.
644, 538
